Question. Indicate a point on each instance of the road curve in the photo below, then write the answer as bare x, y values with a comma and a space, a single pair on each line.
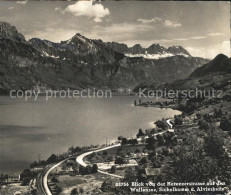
80, 158
45, 182
168, 121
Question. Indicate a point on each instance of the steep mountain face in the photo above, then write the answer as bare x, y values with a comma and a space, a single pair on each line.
178, 50
220, 63
154, 51
10, 32
215, 74
81, 62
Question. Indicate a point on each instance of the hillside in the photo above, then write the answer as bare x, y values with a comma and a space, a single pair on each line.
215, 74
220, 63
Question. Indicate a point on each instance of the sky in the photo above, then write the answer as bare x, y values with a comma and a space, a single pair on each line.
203, 28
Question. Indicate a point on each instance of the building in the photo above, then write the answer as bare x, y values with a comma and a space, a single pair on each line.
171, 130
13, 179
152, 172
36, 169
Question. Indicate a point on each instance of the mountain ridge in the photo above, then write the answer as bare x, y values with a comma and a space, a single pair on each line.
80, 63
218, 78
221, 63
138, 51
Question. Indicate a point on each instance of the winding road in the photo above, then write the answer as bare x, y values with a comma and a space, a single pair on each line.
169, 123
79, 159
45, 182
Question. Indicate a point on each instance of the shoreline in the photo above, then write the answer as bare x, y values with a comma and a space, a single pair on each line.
111, 141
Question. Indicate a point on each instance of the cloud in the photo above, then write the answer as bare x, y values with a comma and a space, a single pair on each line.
180, 39
126, 28
199, 37
97, 20
88, 9
120, 32
215, 34
157, 20
153, 20
211, 52
11, 7
52, 34
22, 2
57, 8
169, 23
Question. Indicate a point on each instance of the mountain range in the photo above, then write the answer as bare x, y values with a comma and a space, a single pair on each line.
80, 62
155, 51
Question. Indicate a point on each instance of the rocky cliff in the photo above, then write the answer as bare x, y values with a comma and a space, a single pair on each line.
81, 62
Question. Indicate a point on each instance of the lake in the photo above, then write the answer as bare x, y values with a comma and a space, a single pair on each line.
28, 128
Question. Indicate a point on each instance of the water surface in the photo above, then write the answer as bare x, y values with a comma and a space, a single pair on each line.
28, 128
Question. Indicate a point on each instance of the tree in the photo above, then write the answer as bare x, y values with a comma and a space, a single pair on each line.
130, 175
156, 163
137, 150
122, 154
110, 158
34, 164
34, 192
203, 125
81, 191
218, 113
140, 133
141, 176
160, 139
64, 167
74, 191
169, 139
214, 145
75, 167
113, 169
165, 151
57, 189
94, 168
161, 124
85, 170
88, 169
77, 149
178, 120
55, 180
26, 173
225, 124
192, 164
71, 150
106, 186
151, 143
198, 115
119, 160
132, 141
26, 181
151, 154
143, 160
52, 159
124, 141
3, 177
